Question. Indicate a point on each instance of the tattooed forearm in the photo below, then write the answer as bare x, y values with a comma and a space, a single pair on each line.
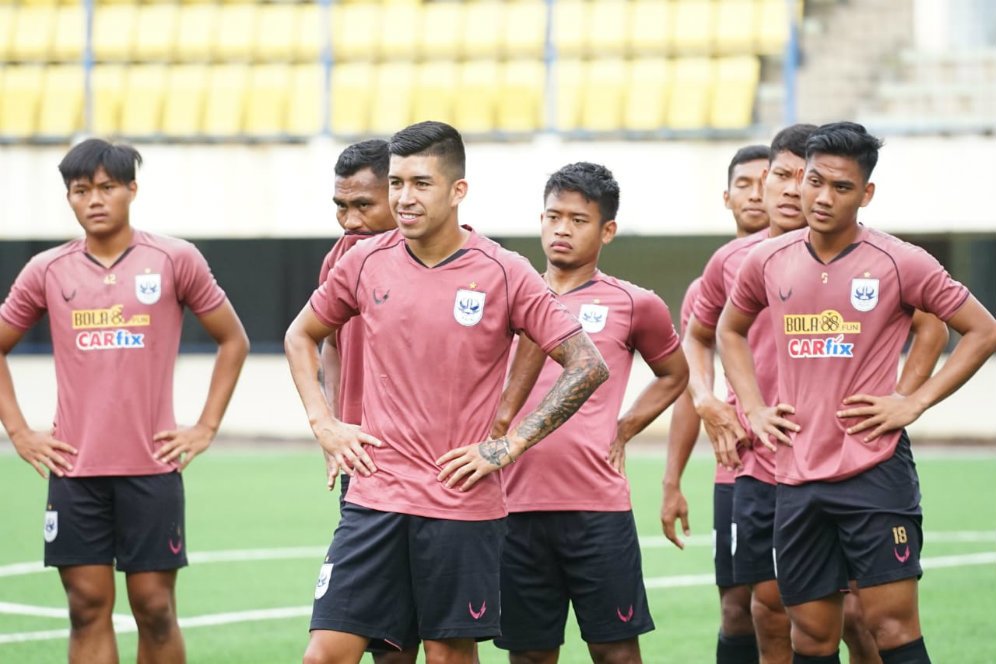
496, 451
584, 371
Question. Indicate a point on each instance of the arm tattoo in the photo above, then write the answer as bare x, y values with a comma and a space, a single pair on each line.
493, 451
584, 371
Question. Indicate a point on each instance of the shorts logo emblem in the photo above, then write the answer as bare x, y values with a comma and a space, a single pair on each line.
904, 557
324, 576
627, 616
175, 548
592, 317
477, 615
51, 525
468, 307
148, 288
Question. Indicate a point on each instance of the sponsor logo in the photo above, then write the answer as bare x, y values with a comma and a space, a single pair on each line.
67, 298
382, 299
828, 347
784, 296
477, 615
51, 525
148, 288
625, 617
89, 319
825, 322
593, 317
109, 339
468, 307
864, 294
324, 576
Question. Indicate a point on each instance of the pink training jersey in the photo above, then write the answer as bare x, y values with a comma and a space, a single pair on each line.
839, 328
436, 344
723, 476
115, 336
348, 340
717, 283
569, 470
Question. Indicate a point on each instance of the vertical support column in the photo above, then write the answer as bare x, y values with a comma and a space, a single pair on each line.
326, 61
790, 63
550, 80
88, 9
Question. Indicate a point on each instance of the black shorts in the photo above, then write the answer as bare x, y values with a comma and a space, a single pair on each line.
722, 521
868, 528
588, 559
134, 522
753, 531
343, 488
398, 578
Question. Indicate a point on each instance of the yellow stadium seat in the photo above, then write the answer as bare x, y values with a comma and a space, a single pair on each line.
352, 85
773, 27
442, 26
61, 110
474, 110
569, 82
394, 89
276, 32
734, 91
691, 94
602, 100
435, 89
114, 32
224, 107
308, 40
570, 27
483, 27
304, 110
20, 96
525, 28
398, 31
183, 107
266, 104
356, 30
735, 26
6, 30
610, 27
692, 26
155, 35
142, 105
70, 26
34, 26
646, 94
196, 32
650, 26
107, 85
520, 100
236, 30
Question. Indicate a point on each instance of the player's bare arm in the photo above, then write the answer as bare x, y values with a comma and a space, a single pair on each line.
681, 437
38, 448
891, 412
526, 367
738, 363
720, 418
584, 371
224, 326
344, 442
329, 377
930, 337
671, 380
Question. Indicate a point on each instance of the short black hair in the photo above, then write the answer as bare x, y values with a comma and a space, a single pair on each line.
85, 159
372, 154
432, 139
846, 139
744, 155
792, 139
593, 181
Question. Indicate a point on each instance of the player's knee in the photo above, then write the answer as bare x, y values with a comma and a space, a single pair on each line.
155, 615
409, 656
769, 614
533, 657
89, 607
316, 653
622, 652
736, 616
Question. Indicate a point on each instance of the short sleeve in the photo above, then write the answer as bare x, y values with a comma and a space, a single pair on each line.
323, 273
688, 303
712, 292
653, 331
25, 304
334, 301
534, 310
195, 285
749, 294
927, 286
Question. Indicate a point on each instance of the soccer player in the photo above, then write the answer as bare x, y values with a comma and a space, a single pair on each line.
840, 298
423, 524
115, 300
571, 534
735, 642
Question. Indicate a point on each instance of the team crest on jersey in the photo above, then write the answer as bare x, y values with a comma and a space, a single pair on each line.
51, 525
592, 317
468, 307
864, 294
324, 576
148, 288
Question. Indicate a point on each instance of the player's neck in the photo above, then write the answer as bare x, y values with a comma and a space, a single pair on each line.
828, 246
441, 245
109, 248
563, 280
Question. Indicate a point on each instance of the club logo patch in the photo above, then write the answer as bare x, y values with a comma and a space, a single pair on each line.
148, 288
864, 294
324, 576
593, 317
51, 525
468, 307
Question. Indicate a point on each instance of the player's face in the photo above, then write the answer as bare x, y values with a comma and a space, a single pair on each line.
423, 198
361, 204
572, 231
101, 203
833, 189
745, 196
781, 191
